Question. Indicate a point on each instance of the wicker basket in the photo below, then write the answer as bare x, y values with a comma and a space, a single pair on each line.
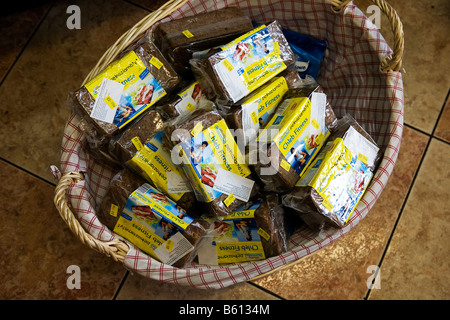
360, 75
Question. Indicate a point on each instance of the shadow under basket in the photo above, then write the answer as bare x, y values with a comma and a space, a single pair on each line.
361, 76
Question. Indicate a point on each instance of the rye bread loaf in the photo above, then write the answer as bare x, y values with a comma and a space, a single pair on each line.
335, 182
179, 39
226, 77
123, 148
274, 170
122, 186
99, 131
180, 132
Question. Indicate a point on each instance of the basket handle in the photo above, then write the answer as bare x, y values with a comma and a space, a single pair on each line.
115, 249
394, 62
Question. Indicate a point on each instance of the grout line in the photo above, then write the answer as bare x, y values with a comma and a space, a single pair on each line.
137, 5
28, 172
26, 44
430, 138
120, 285
266, 290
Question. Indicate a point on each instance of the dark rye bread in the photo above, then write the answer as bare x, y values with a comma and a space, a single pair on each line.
121, 187
208, 30
269, 216
208, 117
306, 202
280, 179
122, 149
214, 88
99, 131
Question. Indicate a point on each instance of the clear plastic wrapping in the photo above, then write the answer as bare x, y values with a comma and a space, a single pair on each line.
211, 160
252, 231
143, 149
180, 38
147, 218
337, 179
138, 78
293, 137
231, 72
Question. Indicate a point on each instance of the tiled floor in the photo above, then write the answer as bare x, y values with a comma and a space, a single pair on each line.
407, 233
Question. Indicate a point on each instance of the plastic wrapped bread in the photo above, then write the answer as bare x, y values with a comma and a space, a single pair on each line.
138, 78
143, 149
152, 222
293, 137
234, 70
179, 39
255, 111
331, 188
213, 163
252, 231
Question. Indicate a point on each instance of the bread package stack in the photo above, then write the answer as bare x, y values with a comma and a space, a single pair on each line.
232, 71
140, 213
253, 231
125, 89
292, 138
213, 163
181, 38
331, 188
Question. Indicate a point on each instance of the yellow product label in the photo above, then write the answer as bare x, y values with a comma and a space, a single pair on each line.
254, 117
197, 129
285, 165
169, 245
319, 139
229, 200
264, 69
263, 234
190, 106
110, 102
137, 143
154, 164
125, 70
235, 252
142, 237
156, 62
244, 36
315, 124
114, 210
225, 149
162, 210
187, 34
327, 205
228, 65
362, 157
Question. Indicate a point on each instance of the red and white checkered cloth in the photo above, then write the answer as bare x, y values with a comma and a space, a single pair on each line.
352, 79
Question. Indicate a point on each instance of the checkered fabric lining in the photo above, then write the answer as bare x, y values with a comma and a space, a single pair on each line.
352, 79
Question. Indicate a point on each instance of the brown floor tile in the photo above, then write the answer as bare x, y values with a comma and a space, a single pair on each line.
137, 287
443, 127
416, 265
38, 247
426, 25
55, 62
16, 28
339, 271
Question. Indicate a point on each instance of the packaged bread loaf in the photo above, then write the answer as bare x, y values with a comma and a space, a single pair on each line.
252, 231
187, 100
332, 186
211, 160
126, 88
179, 39
293, 136
151, 221
255, 111
143, 149
231, 72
